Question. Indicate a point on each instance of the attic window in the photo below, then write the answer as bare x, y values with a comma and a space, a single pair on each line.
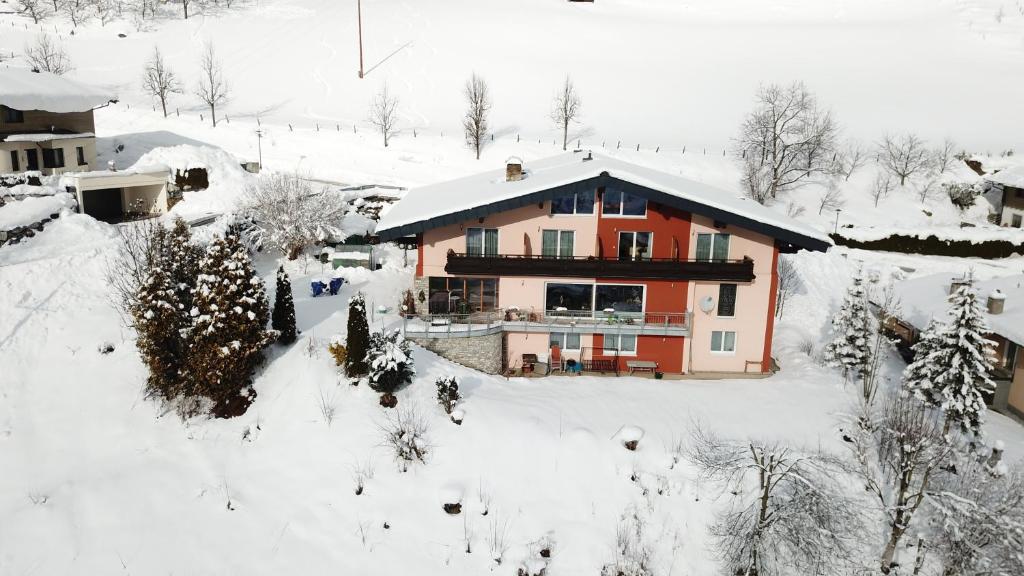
12, 116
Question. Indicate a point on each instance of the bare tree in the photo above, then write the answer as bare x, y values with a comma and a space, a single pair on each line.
898, 453
212, 89
852, 157
787, 136
48, 55
184, 6
789, 278
566, 109
945, 155
756, 180
77, 10
35, 9
140, 246
289, 215
384, 113
789, 514
903, 156
924, 190
160, 81
479, 105
831, 199
881, 188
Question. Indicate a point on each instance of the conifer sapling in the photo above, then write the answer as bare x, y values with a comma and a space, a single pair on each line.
358, 337
283, 318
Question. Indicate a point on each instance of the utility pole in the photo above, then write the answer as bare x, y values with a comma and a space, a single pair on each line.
359, 14
259, 145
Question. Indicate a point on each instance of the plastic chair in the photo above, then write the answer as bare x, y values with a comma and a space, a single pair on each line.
335, 285
556, 360
317, 288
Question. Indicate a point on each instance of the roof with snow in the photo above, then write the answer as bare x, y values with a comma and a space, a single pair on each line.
1012, 176
23, 89
927, 298
487, 193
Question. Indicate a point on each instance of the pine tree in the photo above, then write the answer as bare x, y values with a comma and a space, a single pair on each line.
228, 333
182, 257
283, 318
960, 363
158, 321
358, 337
390, 361
850, 347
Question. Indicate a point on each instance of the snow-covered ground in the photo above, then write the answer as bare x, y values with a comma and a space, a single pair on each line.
96, 480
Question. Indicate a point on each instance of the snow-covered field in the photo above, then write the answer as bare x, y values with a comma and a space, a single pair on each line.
94, 479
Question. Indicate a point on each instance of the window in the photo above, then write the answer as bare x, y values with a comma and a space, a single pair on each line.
462, 295
727, 300
53, 157
620, 298
1016, 220
81, 156
12, 116
564, 340
482, 242
578, 203
723, 341
15, 165
571, 297
557, 243
621, 343
618, 203
713, 247
635, 245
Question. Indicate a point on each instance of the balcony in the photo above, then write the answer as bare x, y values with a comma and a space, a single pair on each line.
461, 264
546, 321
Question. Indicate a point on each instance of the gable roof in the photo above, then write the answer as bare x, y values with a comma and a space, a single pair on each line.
487, 193
1012, 177
926, 298
24, 89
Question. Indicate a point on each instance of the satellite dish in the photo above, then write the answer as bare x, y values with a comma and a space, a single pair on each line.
707, 304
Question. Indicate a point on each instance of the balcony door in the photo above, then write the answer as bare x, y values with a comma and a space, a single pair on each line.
557, 243
634, 245
482, 242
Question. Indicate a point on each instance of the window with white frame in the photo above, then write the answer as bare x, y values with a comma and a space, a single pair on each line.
577, 203
723, 341
557, 243
713, 247
564, 340
481, 241
618, 203
620, 343
635, 245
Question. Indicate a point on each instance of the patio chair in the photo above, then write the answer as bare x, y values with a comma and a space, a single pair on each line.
335, 285
556, 361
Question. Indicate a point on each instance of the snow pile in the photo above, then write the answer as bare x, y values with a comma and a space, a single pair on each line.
33, 209
226, 177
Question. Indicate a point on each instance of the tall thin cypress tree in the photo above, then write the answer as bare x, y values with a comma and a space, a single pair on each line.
283, 318
358, 337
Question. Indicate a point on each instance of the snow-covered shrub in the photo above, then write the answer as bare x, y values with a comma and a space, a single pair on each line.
290, 215
849, 348
337, 350
405, 433
447, 393
283, 318
390, 361
962, 194
632, 553
408, 304
358, 337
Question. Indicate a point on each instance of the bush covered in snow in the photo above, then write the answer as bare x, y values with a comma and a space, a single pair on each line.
447, 393
405, 433
283, 318
337, 350
389, 361
290, 215
358, 337
962, 194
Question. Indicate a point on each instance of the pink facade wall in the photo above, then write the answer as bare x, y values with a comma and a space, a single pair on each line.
752, 304
519, 343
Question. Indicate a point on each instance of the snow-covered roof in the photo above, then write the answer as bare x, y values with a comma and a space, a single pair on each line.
926, 298
447, 202
23, 89
45, 137
1012, 176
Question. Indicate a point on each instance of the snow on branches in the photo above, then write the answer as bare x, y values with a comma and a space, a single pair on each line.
850, 347
290, 215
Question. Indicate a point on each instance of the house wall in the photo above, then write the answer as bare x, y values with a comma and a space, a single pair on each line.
1016, 396
150, 199
43, 121
150, 188
69, 145
1013, 204
519, 343
754, 304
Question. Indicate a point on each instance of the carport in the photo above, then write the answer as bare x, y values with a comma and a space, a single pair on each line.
114, 196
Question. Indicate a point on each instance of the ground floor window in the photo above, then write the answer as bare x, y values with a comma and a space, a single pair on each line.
15, 165
569, 297
462, 295
53, 157
1016, 220
723, 341
81, 155
619, 298
620, 343
565, 340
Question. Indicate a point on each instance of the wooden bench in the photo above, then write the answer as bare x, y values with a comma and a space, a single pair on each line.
641, 366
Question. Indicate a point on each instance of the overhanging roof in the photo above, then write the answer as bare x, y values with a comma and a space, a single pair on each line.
23, 89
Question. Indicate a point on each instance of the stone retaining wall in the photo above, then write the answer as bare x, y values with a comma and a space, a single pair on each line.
483, 353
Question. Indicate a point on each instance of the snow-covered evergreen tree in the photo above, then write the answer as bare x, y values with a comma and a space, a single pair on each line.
358, 337
954, 372
283, 318
158, 321
182, 262
850, 347
228, 333
390, 361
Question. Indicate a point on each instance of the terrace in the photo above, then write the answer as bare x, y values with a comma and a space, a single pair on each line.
453, 325
594, 267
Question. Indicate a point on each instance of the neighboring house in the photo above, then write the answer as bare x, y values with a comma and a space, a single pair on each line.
618, 265
926, 298
1010, 182
47, 125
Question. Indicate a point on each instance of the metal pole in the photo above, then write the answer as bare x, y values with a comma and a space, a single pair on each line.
359, 12
259, 146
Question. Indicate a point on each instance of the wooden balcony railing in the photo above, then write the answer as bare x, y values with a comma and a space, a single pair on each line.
592, 267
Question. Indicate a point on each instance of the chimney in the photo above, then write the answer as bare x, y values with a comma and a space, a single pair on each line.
513, 169
996, 301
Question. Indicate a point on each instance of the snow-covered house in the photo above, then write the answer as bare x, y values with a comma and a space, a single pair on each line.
926, 298
1010, 182
618, 266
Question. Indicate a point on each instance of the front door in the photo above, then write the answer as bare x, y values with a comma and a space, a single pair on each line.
31, 159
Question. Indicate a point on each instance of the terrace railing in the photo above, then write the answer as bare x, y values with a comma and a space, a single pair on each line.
531, 320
